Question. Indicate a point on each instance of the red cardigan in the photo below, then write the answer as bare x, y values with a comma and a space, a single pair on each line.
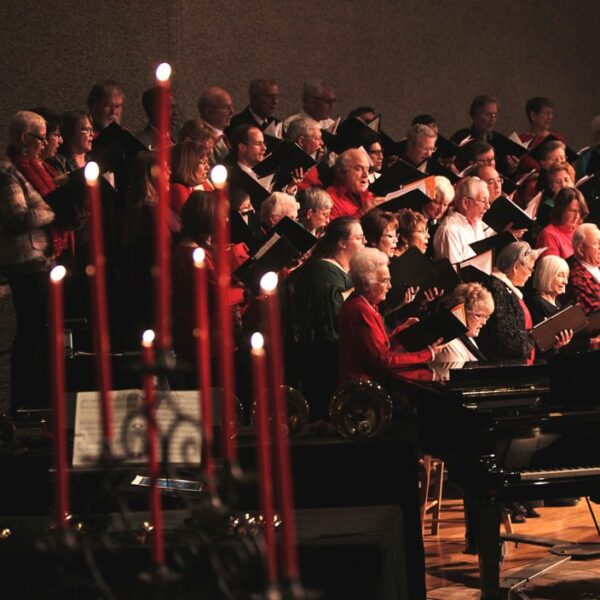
364, 346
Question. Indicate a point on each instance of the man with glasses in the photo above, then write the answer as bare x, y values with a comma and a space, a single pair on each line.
349, 191
318, 102
420, 146
463, 226
216, 109
264, 99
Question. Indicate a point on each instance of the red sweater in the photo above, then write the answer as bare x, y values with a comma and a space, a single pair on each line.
364, 347
347, 204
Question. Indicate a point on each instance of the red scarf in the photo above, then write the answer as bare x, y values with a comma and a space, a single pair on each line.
41, 176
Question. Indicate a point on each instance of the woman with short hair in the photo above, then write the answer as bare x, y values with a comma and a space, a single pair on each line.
381, 231
315, 208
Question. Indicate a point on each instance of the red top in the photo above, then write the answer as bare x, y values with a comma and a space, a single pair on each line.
364, 347
557, 239
347, 204
528, 326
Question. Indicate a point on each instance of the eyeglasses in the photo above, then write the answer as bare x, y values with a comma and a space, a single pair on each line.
392, 236
56, 134
375, 152
478, 200
330, 101
40, 138
87, 130
427, 149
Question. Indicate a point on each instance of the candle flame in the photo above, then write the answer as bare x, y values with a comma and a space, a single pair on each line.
257, 341
163, 72
218, 176
198, 257
148, 337
58, 273
91, 172
268, 281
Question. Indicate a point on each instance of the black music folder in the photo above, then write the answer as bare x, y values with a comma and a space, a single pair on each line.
413, 268
444, 323
504, 146
69, 200
283, 246
494, 242
114, 144
239, 179
286, 157
436, 168
571, 317
398, 175
445, 148
414, 199
502, 212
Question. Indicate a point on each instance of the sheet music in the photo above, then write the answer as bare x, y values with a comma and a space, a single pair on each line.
129, 425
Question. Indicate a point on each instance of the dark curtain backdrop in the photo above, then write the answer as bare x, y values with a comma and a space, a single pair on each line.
404, 57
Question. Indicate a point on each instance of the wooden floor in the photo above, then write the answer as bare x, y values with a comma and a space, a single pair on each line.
454, 575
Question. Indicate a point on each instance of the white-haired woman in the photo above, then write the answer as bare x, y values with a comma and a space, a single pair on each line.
274, 208
25, 250
364, 348
479, 306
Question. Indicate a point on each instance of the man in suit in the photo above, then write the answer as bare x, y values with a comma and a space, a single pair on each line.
149, 135
584, 277
105, 103
216, 109
264, 99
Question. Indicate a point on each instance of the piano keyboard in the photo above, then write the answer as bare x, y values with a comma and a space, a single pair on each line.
559, 473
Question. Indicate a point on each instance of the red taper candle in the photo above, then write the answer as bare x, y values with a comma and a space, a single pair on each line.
158, 547
224, 317
283, 469
97, 273
162, 241
57, 383
202, 336
263, 450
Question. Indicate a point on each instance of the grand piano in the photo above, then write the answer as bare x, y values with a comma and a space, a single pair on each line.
513, 432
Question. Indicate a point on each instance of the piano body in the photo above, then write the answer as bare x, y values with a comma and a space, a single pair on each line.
514, 432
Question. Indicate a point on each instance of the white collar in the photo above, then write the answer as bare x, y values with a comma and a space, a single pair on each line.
502, 277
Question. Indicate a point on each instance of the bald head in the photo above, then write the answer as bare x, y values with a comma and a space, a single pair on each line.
352, 170
216, 107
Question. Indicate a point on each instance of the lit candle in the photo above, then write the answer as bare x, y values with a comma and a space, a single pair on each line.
225, 326
202, 335
57, 382
97, 274
263, 449
162, 242
283, 469
158, 549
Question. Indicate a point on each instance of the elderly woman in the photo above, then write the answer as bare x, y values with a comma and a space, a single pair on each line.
570, 210
25, 248
274, 208
381, 230
321, 286
479, 306
364, 349
505, 336
315, 208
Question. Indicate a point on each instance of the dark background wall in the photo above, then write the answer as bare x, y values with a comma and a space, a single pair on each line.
404, 57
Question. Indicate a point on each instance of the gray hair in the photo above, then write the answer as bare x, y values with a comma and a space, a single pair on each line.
517, 253
444, 188
546, 269
471, 187
419, 130
313, 198
278, 203
469, 294
300, 128
363, 266
22, 122
313, 88
583, 232
344, 161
